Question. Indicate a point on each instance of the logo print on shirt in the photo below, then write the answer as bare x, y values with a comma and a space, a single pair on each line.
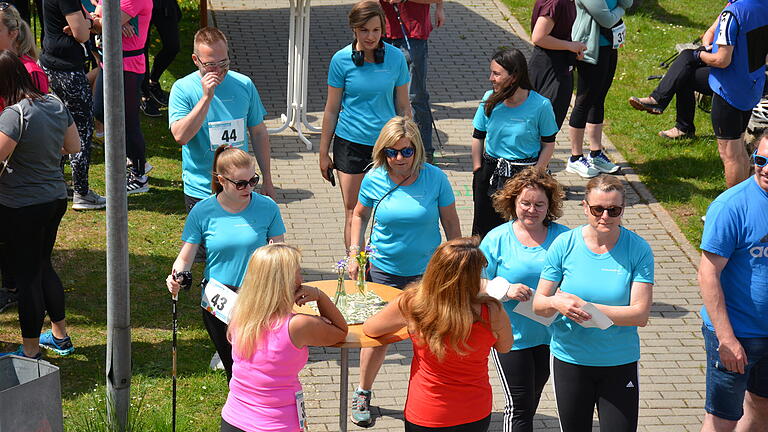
630, 385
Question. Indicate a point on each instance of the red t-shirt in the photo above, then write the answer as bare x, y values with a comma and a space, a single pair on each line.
415, 18
457, 390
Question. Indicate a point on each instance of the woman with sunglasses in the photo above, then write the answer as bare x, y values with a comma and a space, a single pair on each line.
514, 128
409, 199
515, 251
16, 36
233, 222
35, 130
608, 267
367, 85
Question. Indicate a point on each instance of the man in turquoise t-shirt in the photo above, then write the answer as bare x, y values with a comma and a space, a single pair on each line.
211, 107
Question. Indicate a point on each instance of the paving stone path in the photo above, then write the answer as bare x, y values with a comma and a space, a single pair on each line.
671, 368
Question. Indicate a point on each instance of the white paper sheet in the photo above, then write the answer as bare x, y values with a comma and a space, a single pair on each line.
598, 320
526, 309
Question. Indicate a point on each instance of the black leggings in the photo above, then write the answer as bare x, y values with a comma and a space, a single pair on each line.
614, 389
217, 331
476, 426
523, 373
552, 78
135, 147
30, 233
594, 82
685, 76
226, 427
166, 15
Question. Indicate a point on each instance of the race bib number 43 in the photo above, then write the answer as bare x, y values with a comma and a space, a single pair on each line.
218, 300
227, 132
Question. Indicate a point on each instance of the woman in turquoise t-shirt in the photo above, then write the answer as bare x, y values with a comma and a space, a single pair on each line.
367, 86
514, 128
232, 223
408, 198
515, 251
608, 269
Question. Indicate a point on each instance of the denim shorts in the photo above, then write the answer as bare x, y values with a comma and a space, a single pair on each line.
725, 389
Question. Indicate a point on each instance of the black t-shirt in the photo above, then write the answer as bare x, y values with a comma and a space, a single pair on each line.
563, 12
60, 50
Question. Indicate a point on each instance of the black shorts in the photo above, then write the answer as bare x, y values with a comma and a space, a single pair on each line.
351, 158
728, 122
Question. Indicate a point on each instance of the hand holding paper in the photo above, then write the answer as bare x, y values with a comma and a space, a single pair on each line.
598, 320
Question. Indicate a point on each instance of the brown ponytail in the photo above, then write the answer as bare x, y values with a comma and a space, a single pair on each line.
225, 160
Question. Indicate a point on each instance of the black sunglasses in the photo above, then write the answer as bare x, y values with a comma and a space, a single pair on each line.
406, 152
760, 161
242, 184
598, 211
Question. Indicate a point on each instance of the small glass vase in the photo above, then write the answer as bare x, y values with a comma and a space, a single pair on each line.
340, 291
361, 280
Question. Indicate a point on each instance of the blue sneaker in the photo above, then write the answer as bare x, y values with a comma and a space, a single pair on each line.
361, 408
61, 347
20, 352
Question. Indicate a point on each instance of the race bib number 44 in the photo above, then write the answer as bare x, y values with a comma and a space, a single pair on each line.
218, 300
227, 132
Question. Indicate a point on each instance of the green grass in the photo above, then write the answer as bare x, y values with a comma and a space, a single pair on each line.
685, 175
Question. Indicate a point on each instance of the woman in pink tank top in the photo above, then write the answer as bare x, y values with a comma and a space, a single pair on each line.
269, 342
453, 328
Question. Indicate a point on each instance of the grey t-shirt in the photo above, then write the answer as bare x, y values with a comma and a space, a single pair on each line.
34, 175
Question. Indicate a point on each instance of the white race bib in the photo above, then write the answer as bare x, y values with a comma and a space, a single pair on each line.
227, 132
619, 35
218, 300
300, 410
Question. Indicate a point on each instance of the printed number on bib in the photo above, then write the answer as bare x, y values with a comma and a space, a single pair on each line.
218, 300
227, 132
300, 410
619, 35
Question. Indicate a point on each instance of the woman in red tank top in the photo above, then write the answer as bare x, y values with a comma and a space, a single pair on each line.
453, 328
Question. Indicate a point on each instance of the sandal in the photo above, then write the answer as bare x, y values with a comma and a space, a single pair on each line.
646, 104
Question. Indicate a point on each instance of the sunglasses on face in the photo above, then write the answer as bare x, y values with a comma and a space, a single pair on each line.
597, 211
224, 64
406, 152
242, 184
760, 161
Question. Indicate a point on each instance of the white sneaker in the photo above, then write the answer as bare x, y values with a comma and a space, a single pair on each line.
137, 184
89, 201
582, 167
603, 164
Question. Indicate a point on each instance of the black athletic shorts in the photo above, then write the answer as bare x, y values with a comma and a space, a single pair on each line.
351, 158
728, 122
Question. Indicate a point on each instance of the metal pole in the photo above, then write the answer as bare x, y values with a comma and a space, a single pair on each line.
118, 367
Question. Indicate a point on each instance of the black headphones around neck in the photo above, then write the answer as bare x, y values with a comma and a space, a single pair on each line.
358, 57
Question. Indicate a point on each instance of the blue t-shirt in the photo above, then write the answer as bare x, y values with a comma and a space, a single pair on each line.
597, 278
610, 5
516, 263
737, 229
235, 107
231, 238
515, 133
368, 100
406, 228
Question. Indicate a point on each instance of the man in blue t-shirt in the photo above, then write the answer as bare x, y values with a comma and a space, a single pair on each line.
211, 107
733, 276
737, 76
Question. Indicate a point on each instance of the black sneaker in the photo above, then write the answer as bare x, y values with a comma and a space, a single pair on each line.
158, 94
150, 108
137, 184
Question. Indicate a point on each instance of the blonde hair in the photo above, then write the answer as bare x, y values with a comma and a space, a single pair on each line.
208, 36
363, 11
605, 183
505, 199
25, 40
439, 307
393, 131
266, 296
227, 159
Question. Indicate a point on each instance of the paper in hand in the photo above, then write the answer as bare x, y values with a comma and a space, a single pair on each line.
526, 309
598, 320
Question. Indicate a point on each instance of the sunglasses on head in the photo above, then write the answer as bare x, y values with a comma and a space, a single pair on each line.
406, 152
760, 161
598, 211
242, 184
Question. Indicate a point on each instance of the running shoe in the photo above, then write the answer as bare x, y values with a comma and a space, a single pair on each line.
149, 107
8, 298
361, 408
61, 347
157, 94
89, 201
582, 167
603, 164
20, 352
147, 166
136, 183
